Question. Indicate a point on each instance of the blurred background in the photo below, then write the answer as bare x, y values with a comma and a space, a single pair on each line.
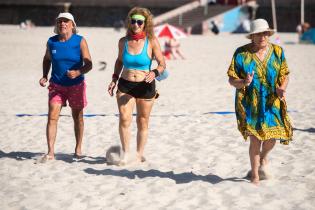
193, 16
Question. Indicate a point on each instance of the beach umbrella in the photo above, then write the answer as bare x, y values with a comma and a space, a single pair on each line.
167, 30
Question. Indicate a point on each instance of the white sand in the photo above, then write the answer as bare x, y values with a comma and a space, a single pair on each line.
195, 160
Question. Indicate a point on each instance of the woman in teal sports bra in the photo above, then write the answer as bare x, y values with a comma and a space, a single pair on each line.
136, 80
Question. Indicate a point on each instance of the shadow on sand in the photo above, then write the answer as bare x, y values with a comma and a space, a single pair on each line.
68, 158
310, 130
19, 155
180, 178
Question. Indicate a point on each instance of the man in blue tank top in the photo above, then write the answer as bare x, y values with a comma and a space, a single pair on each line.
69, 56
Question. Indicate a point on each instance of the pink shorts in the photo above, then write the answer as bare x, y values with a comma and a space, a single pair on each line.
75, 95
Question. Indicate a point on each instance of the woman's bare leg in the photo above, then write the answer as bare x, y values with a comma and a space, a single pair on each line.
254, 155
77, 115
125, 106
267, 146
51, 129
144, 107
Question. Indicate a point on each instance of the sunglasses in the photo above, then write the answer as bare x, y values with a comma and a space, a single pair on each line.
63, 20
139, 22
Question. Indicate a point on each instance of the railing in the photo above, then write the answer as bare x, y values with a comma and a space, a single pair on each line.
179, 12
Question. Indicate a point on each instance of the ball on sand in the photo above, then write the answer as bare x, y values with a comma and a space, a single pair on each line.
113, 155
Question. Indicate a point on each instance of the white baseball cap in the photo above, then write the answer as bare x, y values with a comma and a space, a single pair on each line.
258, 26
68, 16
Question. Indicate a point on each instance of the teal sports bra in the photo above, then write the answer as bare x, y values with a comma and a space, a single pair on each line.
141, 62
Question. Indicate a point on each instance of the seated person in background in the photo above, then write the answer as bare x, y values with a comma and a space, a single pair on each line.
215, 28
171, 49
306, 34
301, 28
167, 50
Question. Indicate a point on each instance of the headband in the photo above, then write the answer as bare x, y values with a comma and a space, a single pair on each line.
138, 17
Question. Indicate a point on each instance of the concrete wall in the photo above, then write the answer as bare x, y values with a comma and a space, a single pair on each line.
86, 12
84, 15
102, 3
288, 13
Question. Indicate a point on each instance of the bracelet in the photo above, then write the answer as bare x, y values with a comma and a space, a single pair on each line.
156, 72
115, 76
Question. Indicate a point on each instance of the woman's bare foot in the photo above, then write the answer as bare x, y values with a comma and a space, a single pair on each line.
254, 177
264, 171
124, 160
254, 180
45, 159
140, 158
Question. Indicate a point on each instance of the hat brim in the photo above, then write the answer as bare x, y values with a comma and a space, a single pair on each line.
271, 32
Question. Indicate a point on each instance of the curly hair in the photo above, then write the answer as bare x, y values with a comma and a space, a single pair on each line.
148, 23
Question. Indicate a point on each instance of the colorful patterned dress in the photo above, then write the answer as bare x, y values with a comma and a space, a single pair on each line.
259, 111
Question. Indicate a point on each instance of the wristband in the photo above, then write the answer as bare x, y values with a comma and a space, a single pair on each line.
156, 72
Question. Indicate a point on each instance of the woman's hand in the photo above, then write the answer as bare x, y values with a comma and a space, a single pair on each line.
72, 74
43, 81
150, 76
280, 92
111, 88
249, 79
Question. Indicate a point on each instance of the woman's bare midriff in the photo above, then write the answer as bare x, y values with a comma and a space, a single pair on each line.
134, 75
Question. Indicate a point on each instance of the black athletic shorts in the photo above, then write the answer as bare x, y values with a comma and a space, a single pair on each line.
137, 89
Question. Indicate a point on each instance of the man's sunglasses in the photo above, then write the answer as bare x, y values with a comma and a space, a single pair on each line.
134, 21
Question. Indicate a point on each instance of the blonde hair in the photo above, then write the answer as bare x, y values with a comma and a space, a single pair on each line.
148, 23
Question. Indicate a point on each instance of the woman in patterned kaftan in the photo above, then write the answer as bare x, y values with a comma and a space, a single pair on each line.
259, 72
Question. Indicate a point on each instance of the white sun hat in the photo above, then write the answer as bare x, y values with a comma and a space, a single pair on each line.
68, 16
258, 26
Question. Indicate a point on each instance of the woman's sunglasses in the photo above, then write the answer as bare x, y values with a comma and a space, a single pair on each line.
60, 20
134, 21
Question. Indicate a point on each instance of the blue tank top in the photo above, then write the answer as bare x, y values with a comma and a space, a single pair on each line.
140, 61
65, 56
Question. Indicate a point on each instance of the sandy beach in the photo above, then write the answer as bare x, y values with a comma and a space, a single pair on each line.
196, 158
